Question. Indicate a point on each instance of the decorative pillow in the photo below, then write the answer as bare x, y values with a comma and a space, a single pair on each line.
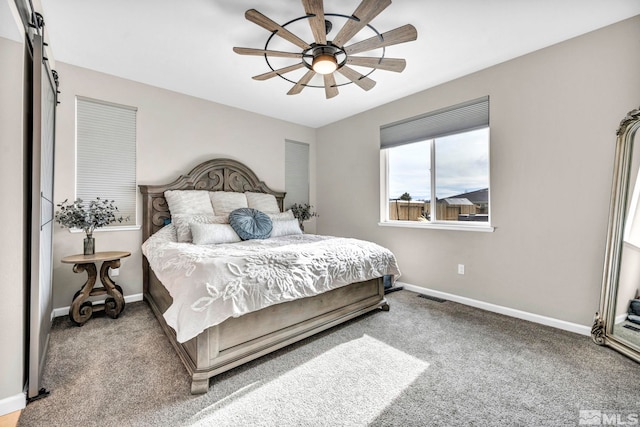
285, 227
278, 216
213, 234
188, 202
250, 223
226, 201
183, 231
263, 202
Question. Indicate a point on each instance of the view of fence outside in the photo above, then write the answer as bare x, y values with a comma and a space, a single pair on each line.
451, 209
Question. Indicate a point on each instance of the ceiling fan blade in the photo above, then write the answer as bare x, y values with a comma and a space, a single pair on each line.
364, 13
364, 82
318, 28
269, 25
297, 88
261, 52
330, 88
277, 72
402, 34
388, 64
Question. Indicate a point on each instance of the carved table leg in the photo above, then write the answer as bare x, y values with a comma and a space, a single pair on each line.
80, 310
115, 303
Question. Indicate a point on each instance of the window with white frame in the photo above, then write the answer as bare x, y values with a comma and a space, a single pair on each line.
435, 168
106, 154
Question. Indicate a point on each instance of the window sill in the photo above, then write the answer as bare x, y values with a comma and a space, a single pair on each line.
107, 229
438, 226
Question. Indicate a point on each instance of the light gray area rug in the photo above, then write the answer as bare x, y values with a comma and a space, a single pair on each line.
423, 363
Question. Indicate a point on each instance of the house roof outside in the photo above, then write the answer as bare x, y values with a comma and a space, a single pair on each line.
475, 197
457, 201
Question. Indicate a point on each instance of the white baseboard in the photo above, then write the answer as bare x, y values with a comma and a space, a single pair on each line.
536, 318
63, 311
12, 403
621, 318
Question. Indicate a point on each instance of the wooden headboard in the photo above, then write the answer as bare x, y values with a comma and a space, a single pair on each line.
212, 175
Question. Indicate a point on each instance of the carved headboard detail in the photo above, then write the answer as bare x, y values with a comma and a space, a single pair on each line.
212, 175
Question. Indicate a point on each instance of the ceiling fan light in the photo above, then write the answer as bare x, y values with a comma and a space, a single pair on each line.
324, 64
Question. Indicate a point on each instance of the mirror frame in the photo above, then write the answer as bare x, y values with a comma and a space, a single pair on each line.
602, 330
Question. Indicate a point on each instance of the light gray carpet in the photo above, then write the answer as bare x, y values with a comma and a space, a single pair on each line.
430, 364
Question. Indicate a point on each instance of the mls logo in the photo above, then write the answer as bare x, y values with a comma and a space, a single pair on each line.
590, 418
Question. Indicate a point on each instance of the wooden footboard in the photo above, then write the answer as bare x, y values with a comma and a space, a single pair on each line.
239, 340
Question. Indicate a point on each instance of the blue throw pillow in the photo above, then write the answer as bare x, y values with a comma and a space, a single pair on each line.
250, 223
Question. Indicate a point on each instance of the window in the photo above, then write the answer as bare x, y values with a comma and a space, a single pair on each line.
435, 168
106, 154
296, 173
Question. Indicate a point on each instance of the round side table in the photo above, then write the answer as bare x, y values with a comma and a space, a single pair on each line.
81, 309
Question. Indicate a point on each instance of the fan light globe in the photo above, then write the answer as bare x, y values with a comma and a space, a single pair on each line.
324, 64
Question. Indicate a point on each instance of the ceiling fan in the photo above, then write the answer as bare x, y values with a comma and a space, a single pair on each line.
324, 56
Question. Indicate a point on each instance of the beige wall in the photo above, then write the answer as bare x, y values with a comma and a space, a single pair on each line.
175, 133
12, 271
553, 119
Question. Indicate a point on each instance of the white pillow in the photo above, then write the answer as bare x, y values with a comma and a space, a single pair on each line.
224, 202
181, 223
263, 202
285, 227
188, 202
213, 234
279, 216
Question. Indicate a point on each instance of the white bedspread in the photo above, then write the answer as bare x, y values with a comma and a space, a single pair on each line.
210, 283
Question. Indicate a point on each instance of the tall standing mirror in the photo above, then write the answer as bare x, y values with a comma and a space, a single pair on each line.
616, 324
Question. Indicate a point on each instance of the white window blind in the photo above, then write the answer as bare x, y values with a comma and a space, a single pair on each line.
464, 117
296, 173
106, 154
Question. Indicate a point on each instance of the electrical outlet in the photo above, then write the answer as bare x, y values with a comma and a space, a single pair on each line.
114, 272
460, 268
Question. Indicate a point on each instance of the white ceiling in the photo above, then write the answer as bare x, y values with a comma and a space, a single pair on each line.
186, 46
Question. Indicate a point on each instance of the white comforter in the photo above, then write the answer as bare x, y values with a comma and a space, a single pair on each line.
210, 283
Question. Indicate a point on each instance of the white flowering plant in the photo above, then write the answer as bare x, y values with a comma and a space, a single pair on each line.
88, 216
302, 212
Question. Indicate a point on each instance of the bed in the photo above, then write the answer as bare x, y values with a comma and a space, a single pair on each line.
245, 333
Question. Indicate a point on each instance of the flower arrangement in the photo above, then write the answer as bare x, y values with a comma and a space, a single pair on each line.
302, 212
88, 216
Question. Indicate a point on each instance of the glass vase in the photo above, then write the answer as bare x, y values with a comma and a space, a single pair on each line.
89, 245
